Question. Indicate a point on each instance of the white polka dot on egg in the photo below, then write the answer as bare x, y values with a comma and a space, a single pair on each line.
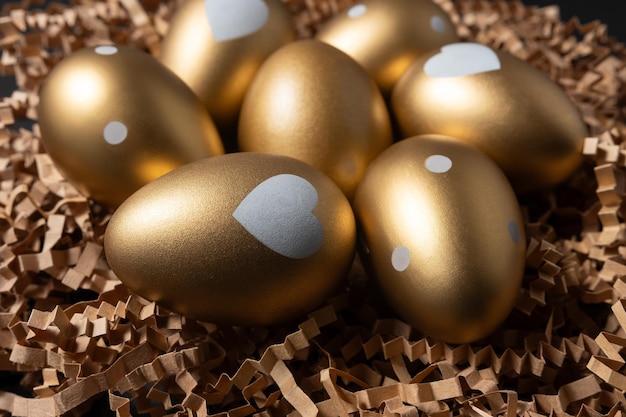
115, 133
106, 50
514, 232
438, 164
357, 11
401, 258
437, 24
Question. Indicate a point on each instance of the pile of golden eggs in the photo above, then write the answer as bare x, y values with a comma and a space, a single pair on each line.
267, 233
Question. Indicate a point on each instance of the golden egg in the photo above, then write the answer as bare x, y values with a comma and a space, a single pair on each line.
443, 235
312, 102
499, 103
243, 238
386, 36
113, 119
216, 47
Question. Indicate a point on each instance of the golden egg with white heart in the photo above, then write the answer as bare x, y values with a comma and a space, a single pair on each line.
217, 46
244, 238
497, 102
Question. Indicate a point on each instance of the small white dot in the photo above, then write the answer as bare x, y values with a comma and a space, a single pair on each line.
115, 133
438, 164
400, 258
106, 50
514, 232
357, 11
437, 24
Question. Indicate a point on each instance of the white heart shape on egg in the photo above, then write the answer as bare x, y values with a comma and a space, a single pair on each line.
461, 59
279, 214
232, 19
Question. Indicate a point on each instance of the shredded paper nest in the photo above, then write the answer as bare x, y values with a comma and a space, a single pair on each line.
73, 340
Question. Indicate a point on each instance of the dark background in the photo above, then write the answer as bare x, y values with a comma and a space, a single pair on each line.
611, 12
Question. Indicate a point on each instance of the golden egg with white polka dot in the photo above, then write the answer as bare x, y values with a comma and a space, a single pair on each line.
244, 238
386, 36
443, 236
113, 119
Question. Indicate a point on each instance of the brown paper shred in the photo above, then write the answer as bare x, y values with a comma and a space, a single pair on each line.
72, 334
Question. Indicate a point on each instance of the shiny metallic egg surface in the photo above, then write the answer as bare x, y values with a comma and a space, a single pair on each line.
443, 236
216, 47
386, 36
241, 239
497, 102
312, 102
113, 119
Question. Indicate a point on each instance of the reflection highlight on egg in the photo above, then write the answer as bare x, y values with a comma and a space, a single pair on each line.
149, 167
84, 87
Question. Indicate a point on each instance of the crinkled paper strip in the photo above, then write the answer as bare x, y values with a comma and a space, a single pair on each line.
72, 337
